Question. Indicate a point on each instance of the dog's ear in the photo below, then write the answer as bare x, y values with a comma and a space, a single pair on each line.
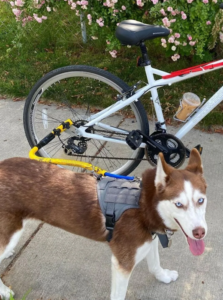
195, 163
163, 171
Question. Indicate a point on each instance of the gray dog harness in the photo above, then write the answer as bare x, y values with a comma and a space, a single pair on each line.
116, 196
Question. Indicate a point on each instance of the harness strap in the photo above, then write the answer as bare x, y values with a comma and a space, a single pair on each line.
110, 220
164, 241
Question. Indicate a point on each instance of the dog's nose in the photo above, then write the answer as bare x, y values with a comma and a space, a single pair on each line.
199, 232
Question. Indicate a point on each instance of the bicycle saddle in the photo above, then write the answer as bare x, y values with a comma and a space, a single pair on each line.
131, 32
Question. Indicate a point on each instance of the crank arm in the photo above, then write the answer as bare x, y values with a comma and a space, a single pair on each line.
149, 141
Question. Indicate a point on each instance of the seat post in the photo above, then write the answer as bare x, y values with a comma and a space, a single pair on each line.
145, 58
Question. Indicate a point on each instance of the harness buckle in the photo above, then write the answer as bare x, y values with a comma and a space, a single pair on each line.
169, 234
110, 222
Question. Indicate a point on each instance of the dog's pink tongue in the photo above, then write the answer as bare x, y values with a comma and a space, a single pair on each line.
196, 246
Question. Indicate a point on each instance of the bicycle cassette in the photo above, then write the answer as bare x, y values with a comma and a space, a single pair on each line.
175, 150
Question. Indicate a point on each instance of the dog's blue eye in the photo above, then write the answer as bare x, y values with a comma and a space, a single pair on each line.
178, 204
201, 201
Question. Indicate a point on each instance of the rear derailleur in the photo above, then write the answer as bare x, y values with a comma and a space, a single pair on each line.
71, 148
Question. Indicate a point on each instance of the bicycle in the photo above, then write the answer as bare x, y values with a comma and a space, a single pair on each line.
76, 93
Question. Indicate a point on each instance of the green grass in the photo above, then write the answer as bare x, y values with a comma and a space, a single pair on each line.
43, 49
23, 298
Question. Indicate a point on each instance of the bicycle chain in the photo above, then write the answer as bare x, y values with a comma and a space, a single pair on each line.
107, 157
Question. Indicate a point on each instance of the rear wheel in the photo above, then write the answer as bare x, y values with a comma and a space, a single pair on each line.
77, 93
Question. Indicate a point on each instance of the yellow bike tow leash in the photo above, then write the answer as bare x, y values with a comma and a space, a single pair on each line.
66, 162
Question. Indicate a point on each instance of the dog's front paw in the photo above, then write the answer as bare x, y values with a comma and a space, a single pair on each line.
166, 275
10, 253
5, 292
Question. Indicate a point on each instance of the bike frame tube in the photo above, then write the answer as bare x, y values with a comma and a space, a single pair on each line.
155, 97
152, 87
116, 129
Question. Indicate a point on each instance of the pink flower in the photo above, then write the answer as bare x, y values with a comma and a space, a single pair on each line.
208, 23
166, 22
123, 7
184, 16
17, 12
113, 53
169, 8
154, 1
171, 39
189, 37
139, 3
19, 3
177, 35
192, 43
175, 57
190, 1
100, 22
162, 11
48, 8
39, 20
205, 1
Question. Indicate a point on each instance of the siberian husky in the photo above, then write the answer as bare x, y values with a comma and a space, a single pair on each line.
170, 200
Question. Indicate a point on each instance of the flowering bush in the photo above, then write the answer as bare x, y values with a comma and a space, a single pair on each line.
192, 22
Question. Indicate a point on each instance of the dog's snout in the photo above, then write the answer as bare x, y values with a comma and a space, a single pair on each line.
199, 232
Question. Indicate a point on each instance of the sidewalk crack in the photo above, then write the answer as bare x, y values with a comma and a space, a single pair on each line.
13, 261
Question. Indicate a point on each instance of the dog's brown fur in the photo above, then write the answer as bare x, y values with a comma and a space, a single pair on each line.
31, 189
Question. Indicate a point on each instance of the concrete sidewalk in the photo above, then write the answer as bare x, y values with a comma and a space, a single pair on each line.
53, 264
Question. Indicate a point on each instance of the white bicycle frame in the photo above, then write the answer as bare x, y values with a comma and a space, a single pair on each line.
152, 87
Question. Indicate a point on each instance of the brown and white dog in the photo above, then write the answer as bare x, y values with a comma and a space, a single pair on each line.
170, 199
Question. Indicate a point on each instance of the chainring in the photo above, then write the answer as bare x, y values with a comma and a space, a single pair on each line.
176, 151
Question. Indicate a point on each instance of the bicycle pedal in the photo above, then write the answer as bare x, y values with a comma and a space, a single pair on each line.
134, 139
199, 148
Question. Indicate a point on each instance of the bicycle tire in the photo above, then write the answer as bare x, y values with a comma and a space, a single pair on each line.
55, 98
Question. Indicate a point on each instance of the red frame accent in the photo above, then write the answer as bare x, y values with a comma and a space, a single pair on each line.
197, 68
